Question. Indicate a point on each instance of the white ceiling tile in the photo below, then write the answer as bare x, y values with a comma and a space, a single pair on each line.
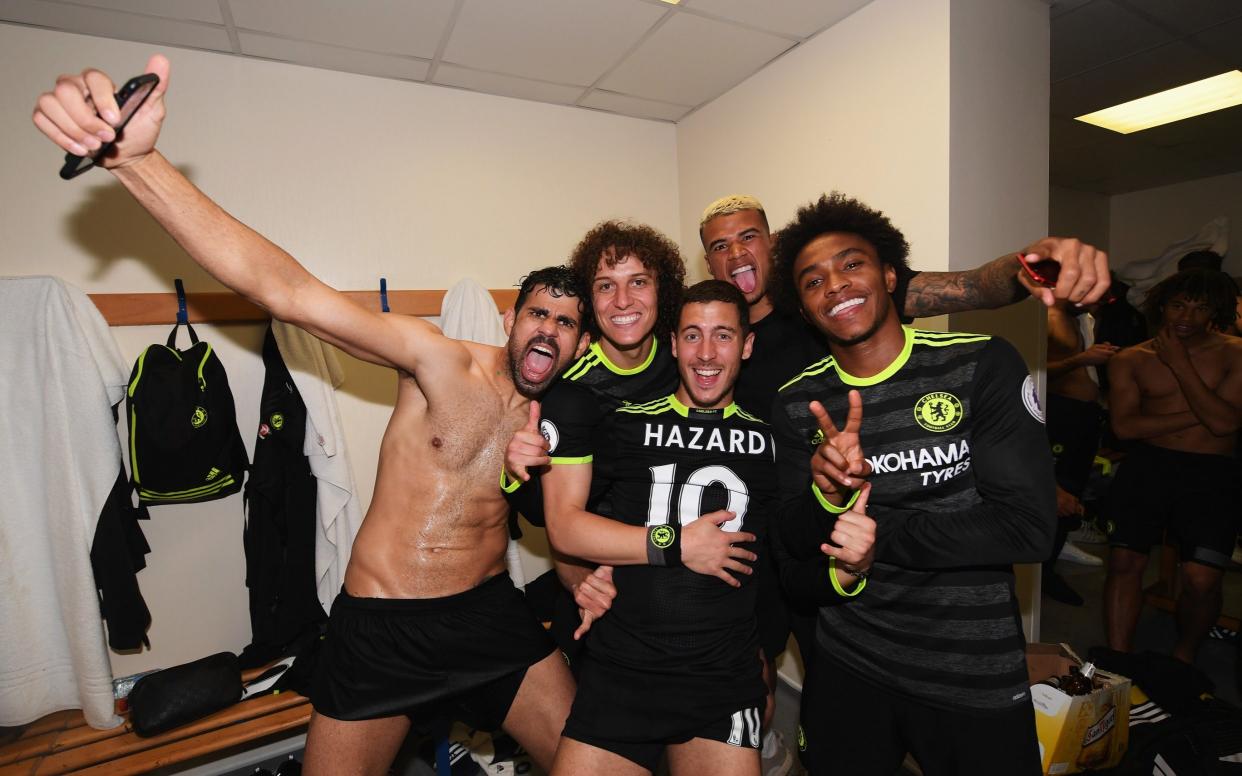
1170, 65
1224, 42
565, 41
406, 27
634, 106
507, 85
802, 18
1065, 6
115, 24
333, 58
1187, 16
691, 60
1099, 33
190, 10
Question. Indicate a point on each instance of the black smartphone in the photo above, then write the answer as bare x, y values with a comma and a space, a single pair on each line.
1043, 272
131, 97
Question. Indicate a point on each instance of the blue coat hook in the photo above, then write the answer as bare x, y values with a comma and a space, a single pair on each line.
182, 316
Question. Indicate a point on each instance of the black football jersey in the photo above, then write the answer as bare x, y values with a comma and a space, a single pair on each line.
664, 463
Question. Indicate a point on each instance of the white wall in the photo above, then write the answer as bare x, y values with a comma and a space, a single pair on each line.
356, 176
998, 193
1083, 214
882, 107
863, 107
1143, 223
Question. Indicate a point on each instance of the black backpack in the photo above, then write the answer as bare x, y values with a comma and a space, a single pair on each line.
184, 445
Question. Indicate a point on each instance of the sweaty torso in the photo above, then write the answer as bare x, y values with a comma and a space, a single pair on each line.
1160, 393
437, 524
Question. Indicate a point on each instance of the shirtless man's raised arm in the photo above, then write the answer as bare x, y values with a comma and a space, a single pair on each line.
428, 624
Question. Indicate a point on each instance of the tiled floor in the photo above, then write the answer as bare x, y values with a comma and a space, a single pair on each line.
1082, 627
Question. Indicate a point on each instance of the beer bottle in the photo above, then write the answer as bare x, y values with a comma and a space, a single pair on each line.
1079, 680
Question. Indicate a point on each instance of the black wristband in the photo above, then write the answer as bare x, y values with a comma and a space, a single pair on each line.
663, 546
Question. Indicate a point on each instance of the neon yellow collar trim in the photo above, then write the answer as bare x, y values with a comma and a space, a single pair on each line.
684, 411
603, 358
887, 371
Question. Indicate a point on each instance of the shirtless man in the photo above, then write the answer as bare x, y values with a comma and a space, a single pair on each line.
429, 624
1075, 421
1178, 396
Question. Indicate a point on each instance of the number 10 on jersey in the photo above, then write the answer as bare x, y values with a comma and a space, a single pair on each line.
690, 499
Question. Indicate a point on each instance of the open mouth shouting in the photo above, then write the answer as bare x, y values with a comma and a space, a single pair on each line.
539, 361
745, 278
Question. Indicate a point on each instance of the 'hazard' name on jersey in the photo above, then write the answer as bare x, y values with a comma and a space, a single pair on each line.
735, 441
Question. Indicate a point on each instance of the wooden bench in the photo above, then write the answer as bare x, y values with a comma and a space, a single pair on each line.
63, 743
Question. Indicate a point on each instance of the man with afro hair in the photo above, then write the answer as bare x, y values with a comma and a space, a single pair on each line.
1178, 398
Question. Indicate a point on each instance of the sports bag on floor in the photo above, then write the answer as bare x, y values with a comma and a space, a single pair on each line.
184, 445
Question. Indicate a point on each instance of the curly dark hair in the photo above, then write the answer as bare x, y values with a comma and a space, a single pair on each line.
614, 241
559, 281
719, 291
1215, 288
833, 212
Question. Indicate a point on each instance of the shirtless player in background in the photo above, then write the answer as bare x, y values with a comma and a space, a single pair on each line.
429, 624
1178, 396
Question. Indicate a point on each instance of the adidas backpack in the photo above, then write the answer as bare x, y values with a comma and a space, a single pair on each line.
184, 445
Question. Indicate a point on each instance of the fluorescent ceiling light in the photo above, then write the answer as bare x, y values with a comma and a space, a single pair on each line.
1181, 102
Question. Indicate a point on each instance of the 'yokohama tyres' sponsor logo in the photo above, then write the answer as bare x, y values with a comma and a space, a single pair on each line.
944, 461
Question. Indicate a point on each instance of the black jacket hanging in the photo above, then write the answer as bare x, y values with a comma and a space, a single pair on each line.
280, 521
118, 553
184, 445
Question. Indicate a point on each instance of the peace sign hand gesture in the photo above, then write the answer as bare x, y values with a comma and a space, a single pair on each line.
838, 464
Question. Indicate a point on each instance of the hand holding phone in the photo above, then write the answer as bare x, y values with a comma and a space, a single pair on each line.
128, 100
1042, 271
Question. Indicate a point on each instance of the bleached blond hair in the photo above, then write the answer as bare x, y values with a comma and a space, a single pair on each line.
727, 206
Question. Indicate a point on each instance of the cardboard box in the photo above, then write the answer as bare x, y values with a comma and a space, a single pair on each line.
1081, 732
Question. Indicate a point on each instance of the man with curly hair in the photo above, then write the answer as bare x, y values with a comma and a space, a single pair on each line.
926, 654
737, 245
1178, 397
636, 276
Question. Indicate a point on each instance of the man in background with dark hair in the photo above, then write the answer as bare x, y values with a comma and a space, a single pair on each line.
927, 656
1178, 397
1205, 259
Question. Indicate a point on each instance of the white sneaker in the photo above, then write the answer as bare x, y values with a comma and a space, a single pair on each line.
1088, 534
776, 758
1074, 554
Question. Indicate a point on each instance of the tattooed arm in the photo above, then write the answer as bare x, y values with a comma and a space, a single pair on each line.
1083, 279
